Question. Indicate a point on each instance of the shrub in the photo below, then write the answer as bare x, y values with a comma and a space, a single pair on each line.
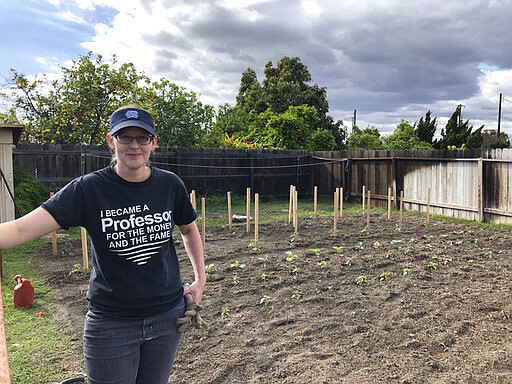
29, 192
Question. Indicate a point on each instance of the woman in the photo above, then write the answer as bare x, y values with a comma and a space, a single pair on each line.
135, 292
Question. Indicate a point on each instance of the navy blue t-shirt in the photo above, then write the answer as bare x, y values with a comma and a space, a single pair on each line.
135, 270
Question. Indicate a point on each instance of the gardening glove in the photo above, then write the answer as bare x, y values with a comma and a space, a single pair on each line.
192, 317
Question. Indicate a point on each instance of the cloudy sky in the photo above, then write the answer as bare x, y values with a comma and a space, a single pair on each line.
387, 59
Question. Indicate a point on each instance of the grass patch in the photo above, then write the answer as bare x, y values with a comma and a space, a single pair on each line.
35, 344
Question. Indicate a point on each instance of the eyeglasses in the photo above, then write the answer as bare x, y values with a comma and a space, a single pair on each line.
141, 140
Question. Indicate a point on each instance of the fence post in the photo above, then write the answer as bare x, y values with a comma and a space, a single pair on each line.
5, 376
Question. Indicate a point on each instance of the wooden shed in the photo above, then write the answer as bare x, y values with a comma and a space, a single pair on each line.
9, 135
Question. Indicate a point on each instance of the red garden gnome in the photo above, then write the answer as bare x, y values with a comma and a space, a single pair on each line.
23, 293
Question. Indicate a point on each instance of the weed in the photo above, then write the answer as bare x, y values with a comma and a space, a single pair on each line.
77, 268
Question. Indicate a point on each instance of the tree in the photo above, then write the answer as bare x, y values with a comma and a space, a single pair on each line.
369, 138
426, 128
287, 85
180, 118
458, 134
491, 139
405, 137
77, 106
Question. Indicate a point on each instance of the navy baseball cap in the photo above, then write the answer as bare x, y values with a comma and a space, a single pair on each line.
132, 117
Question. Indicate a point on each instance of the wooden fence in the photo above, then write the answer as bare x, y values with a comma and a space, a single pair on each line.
468, 184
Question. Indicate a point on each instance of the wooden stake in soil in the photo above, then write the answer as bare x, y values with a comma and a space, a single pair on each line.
341, 203
54, 238
368, 212
203, 221
248, 211
336, 199
193, 199
290, 205
230, 214
428, 205
401, 206
295, 211
364, 195
389, 203
315, 202
256, 218
85, 251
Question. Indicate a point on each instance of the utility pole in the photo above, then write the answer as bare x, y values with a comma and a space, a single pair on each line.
354, 119
499, 115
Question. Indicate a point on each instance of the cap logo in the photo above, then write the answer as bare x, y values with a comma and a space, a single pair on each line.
132, 114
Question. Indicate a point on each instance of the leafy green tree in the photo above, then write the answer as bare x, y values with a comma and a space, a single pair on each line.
491, 139
404, 137
287, 85
426, 128
181, 119
369, 138
458, 134
77, 106
230, 124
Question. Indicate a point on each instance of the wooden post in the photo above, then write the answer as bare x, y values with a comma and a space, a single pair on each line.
341, 202
336, 199
1, 266
290, 205
193, 198
428, 205
54, 238
401, 206
315, 202
85, 251
230, 214
364, 195
5, 375
295, 210
203, 221
248, 211
389, 203
256, 218
368, 212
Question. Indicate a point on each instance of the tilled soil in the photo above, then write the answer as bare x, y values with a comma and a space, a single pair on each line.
424, 302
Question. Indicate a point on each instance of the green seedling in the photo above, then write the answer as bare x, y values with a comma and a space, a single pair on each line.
237, 265
296, 295
489, 255
408, 251
406, 271
295, 270
338, 248
316, 251
209, 270
427, 237
448, 261
385, 276
458, 232
330, 288
432, 265
264, 276
458, 242
77, 268
359, 246
377, 245
322, 264
235, 279
265, 300
224, 312
390, 255
264, 260
362, 280
348, 263
290, 256
413, 240
368, 257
